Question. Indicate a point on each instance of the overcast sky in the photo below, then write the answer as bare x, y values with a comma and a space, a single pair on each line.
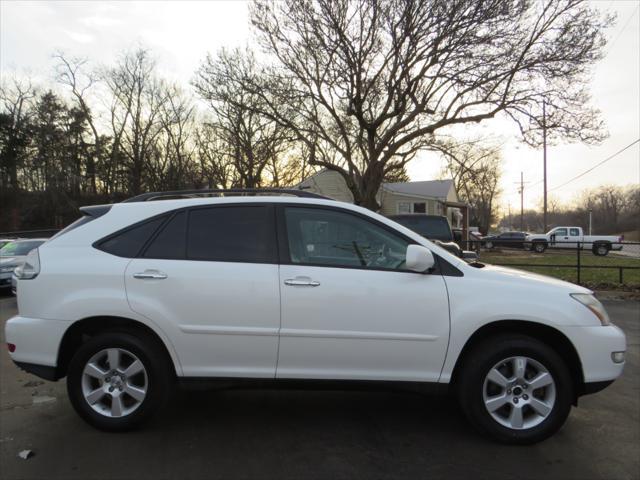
181, 33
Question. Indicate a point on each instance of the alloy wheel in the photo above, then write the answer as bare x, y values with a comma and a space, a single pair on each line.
519, 393
114, 382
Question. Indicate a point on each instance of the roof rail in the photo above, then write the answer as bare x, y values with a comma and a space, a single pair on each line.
145, 197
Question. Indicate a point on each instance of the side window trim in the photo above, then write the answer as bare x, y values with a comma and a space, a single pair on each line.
443, 267
170, 214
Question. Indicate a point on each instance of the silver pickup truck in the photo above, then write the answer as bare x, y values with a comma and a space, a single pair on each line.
572, 238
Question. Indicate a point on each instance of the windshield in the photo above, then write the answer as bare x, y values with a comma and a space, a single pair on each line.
16, 249
433, 228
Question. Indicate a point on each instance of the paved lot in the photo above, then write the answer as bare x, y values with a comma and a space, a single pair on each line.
302, 434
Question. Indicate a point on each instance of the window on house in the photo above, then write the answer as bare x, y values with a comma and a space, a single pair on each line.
404, 207
420, 207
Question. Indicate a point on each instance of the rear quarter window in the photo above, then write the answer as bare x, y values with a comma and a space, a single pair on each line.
129, 242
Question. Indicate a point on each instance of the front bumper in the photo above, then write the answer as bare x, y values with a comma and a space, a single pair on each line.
36, 341
595, 346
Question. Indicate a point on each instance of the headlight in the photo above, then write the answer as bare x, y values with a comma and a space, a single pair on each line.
7, 269
593, 304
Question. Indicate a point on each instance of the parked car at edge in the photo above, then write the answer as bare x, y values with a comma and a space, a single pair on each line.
505, 240
12, 255
571, 238
5, 241
437, 229
138, 294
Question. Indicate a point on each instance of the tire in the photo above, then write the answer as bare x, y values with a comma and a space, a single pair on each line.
539, 247
488, 245
475, 389
118, 403
601, 249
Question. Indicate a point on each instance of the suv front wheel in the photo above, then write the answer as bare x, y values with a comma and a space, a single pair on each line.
112, 382
515, 389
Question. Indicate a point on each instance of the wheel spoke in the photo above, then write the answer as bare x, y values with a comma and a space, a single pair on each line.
116, 406
541, 380
95, 395
540, 407
515, 418
135, 392
496, 377
519, 367
135, 367
94, 371
113, 356
494, 403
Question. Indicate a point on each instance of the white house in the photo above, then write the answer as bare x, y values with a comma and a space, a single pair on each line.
432, 197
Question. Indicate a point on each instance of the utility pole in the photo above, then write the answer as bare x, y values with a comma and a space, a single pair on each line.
521, 192
544, 149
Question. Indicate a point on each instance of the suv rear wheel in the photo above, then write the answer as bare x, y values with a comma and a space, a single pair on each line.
515, 389
112, 382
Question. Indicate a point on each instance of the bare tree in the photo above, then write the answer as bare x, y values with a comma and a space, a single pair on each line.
16, 96
217, 167
475, 167
138, 100
254, 140
366, 84
73, 73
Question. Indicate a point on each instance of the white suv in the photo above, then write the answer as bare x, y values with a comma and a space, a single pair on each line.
135, 295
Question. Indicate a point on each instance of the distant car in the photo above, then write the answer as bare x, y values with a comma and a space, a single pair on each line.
12, 255
5, 241
505, 239
437, 229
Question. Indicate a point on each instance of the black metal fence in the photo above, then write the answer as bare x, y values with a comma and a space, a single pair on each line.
583, 263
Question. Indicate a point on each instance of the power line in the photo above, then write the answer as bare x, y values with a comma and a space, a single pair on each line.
623, 29
596, 165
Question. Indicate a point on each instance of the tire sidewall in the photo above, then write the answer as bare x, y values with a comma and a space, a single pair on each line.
539, 247
157, 378
471, 389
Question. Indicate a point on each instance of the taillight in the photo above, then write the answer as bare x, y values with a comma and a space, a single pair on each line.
30, 268
11, 347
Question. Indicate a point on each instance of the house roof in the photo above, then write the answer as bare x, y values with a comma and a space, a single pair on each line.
429, 188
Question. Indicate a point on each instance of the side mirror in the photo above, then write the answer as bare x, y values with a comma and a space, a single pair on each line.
419, 259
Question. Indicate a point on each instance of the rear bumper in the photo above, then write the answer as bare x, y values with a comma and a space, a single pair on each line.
36, 340
42, 371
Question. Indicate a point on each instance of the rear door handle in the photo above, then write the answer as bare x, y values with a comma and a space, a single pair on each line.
150, 275
301, 282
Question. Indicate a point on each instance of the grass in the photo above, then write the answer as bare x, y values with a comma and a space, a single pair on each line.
596, 277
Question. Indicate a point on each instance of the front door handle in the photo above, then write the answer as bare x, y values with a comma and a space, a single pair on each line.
301, 282
150, 275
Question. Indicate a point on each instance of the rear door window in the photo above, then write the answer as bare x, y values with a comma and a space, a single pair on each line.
232, 234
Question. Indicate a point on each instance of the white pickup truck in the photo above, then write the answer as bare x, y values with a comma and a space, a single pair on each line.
572, 237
